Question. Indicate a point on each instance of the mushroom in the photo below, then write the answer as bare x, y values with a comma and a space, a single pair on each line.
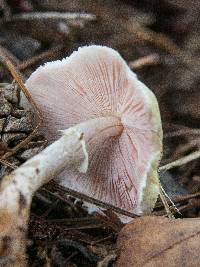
124, 140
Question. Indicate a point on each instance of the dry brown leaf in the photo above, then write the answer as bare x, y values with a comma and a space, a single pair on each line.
158, 241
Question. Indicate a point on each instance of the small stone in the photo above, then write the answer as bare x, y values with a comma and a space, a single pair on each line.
18, 113
13, 137
11, 93
5, 107
23, 124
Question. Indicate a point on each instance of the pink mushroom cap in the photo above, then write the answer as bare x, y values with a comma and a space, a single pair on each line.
96, 83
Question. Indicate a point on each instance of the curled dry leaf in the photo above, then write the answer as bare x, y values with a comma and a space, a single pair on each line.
95, 83
158, 242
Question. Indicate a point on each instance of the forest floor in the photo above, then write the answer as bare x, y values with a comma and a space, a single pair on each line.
160, 41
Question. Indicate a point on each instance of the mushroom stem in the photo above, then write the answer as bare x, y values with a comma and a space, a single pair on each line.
63, 153
17, 189
107, 126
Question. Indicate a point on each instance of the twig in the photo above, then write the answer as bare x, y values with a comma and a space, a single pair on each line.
18, 78
194, 203
58, 197
181, 161
158, 39
93, 200
183, 131
152, 59
92, 243
47, 55
186, 197
161, 41
168, 199
54, 15
5, 54
5, 162
164, 201
90, 226
106, 261
179, 199
183, 149
21, 144
71, 256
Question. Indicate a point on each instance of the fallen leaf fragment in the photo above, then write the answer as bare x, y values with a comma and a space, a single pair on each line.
158, 241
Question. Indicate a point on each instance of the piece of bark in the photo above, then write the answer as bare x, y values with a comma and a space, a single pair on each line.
158, 241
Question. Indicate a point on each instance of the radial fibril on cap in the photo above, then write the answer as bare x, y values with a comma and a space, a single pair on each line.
125, 139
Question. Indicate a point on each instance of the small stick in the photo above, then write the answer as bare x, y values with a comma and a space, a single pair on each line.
21, 144
159, 40
194, 203
93, 200
164, 201
183, 131
4, 162
50, 54
176, 163
186, 197
107, 260
183, 149
6, 54
169, 199
18, 78
181, 161
152, 59
54, 15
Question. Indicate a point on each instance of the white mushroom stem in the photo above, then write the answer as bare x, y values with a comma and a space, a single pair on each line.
67, 151
111, 125
18, 188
